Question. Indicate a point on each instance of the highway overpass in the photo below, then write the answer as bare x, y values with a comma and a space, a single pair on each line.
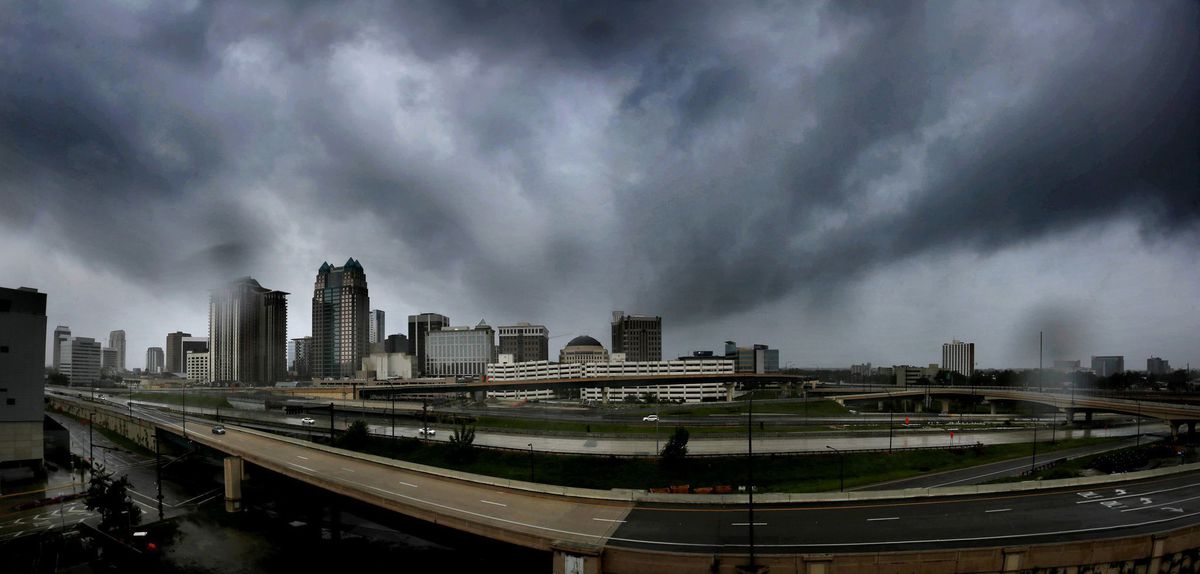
997, 527
1174, 414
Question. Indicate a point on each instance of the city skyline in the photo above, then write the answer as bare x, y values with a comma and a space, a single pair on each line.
846, 183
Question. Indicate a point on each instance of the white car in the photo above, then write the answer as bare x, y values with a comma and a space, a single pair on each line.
650, 419
426, 432
308, 421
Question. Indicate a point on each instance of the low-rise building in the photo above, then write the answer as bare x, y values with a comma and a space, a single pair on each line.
507, 370
386, 366
460, 351
197, 368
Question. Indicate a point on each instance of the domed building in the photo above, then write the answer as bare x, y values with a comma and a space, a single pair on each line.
583, 349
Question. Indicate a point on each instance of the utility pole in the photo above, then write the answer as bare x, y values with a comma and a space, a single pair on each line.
750, 469
158, 473
425, 419
91, 446
331, 423
841, 469
530, 462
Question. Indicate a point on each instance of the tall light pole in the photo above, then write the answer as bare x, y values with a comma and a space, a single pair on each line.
531, 462
657, 409
841, 469
750, 471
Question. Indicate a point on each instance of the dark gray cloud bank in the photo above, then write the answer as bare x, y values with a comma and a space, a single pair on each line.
846, 181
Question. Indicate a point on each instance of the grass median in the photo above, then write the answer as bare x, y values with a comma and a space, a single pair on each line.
815, 473
193, 399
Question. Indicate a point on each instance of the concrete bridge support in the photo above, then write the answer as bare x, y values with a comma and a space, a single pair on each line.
233, 483
945, 406
576, 558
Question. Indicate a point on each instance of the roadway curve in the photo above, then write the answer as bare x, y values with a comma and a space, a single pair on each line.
547, 517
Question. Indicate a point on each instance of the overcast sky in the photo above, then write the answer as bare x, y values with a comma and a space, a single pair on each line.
846, 182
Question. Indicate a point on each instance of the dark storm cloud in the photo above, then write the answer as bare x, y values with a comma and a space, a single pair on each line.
736, 154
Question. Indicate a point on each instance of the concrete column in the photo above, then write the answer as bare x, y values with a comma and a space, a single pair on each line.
1156, 553
993, 405
604, 391
1070, 416
1087, 417
576, 559
1014, 558
945, 406
918, 407
728, 392
233, 483
1174, 429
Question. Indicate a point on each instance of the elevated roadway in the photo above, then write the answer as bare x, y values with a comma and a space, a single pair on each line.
630, 531
1174, 414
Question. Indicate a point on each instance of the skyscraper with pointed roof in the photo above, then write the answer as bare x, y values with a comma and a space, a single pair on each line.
340, 315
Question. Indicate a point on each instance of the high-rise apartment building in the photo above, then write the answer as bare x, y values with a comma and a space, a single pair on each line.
460, 351
1157, 366
174, 351
247, 334
639, 337
154, 360
418, 327
340, 311
525, 342
116, 342
301, 350
61, 333
1108, 365
959, 357
80, 358
22, 364
376, 326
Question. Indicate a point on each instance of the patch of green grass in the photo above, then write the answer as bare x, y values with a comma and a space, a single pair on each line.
193, 398
772, 473
822, 408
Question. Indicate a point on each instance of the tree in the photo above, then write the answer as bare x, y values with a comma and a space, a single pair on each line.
110, 498
462, 442
355, 437
676, 447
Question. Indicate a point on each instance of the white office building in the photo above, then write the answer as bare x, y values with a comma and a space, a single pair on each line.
618, 367
959, 357
460, 351
197, 368
154, 360
388, 366
80, 360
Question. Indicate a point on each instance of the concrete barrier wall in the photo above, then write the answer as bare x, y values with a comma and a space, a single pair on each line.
1175, 552
134, 429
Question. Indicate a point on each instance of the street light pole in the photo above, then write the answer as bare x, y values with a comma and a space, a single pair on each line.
531, 462
841, 469
1033, 461
750, 470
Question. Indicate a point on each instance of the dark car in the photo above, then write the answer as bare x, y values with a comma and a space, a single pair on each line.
219, 429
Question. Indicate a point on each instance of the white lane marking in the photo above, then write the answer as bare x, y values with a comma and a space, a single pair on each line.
384, 490
890, 542
887, 518
1161, 504
1140, 493
999, 510
746, 524
304, 467
407, 484
303, 457
347, 469
607, 520
490, 502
